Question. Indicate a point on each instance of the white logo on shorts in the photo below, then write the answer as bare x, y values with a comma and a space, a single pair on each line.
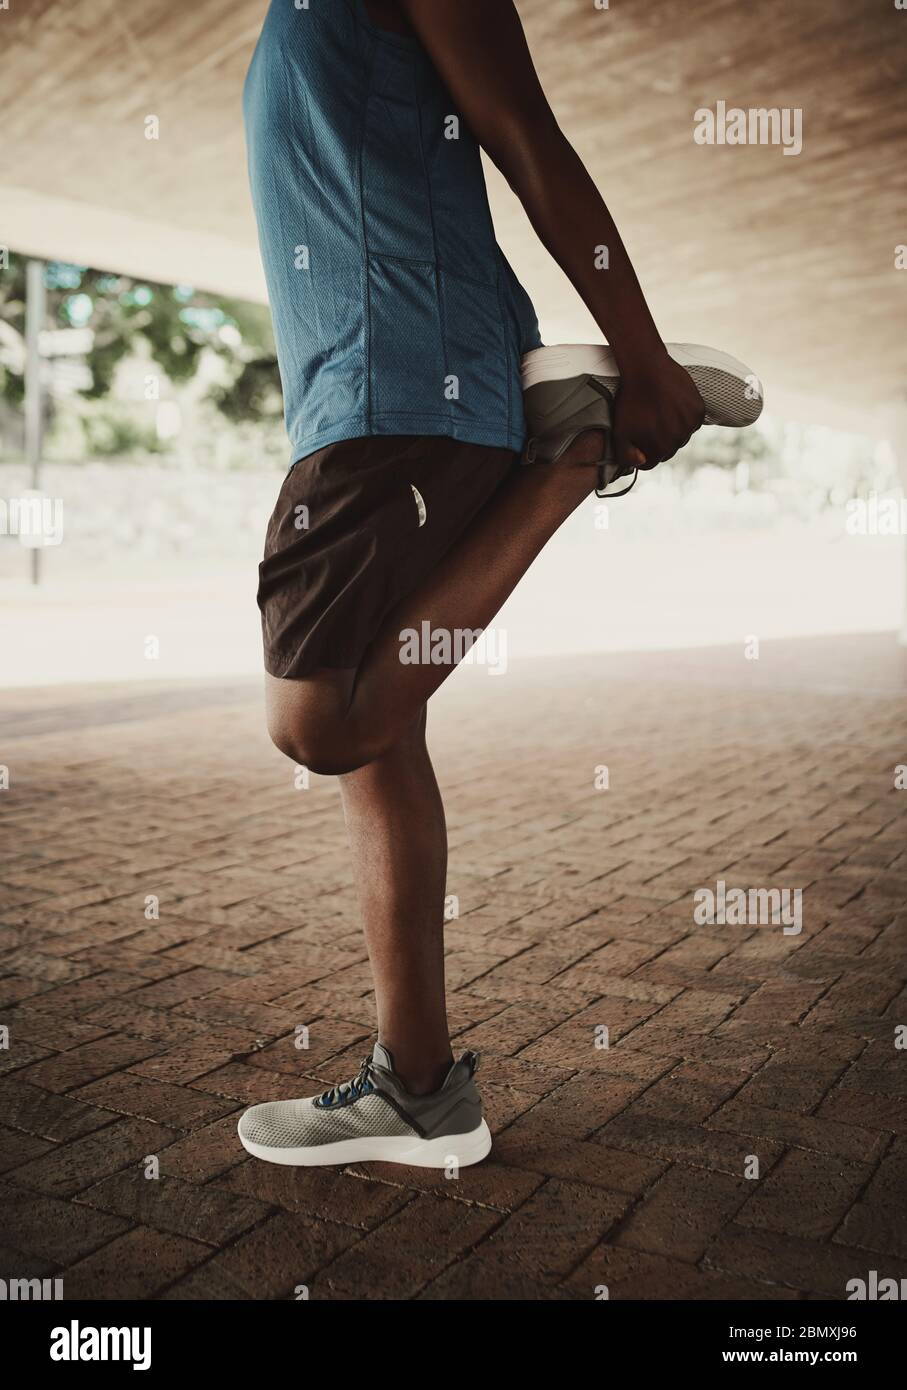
420, 503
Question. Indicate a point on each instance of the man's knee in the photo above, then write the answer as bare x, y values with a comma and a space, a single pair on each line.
326, 747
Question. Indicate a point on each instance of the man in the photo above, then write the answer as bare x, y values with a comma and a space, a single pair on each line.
400, 330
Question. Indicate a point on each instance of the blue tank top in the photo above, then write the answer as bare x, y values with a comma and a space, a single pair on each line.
395, 311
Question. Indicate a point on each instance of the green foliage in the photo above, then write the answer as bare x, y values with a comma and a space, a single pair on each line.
176, 322
253, 394
114, 433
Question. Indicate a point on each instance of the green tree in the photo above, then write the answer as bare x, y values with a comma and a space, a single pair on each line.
177, 323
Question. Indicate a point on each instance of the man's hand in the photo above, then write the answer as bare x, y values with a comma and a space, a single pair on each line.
657, 411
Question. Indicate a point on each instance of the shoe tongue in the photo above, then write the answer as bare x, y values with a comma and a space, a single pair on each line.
382, 1057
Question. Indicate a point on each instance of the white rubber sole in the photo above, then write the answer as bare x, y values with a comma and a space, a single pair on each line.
577, 359
460, 1150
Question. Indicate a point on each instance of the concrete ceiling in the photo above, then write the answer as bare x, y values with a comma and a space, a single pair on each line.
788, 261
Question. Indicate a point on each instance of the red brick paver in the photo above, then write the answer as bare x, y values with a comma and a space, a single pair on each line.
173, 909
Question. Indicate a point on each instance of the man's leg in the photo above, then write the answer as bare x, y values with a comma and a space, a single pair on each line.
335, 722
395, 821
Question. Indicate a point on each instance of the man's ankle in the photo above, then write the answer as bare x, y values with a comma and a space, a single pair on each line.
588, 448
421, 1076
573, 476
426, 1084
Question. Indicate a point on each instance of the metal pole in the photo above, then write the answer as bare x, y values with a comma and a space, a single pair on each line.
35, 305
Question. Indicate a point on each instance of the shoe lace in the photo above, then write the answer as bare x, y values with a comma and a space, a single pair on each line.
348, 1091
601, 487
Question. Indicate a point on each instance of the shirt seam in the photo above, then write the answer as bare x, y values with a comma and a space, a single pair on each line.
439, 303
366, 278
508, 346
438, 265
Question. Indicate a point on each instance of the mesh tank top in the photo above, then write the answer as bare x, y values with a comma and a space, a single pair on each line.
394, 309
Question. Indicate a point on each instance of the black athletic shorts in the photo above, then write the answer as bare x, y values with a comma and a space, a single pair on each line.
357, 526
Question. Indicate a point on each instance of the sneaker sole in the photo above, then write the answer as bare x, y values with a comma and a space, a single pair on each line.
731, 391
460, 1149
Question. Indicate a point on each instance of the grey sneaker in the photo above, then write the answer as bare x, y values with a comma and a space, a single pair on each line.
570, 389
374, 1117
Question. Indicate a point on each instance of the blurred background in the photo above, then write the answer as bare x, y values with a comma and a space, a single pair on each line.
139, 396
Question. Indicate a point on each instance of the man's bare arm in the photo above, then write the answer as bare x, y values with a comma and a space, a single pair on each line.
480, 50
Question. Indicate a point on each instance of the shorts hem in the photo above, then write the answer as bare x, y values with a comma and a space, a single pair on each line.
432, 426
299, 666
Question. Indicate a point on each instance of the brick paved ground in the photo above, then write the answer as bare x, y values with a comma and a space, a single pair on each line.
131, 1037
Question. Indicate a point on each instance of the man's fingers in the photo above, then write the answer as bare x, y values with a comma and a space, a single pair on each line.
627, 454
